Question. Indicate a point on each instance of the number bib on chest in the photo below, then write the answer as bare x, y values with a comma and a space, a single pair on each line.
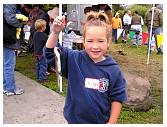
99, 84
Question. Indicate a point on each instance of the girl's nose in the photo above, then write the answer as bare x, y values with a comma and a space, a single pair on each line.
95, 46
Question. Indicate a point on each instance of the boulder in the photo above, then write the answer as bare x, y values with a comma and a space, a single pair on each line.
138, 92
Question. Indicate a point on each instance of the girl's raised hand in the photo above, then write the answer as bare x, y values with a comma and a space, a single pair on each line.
58, 24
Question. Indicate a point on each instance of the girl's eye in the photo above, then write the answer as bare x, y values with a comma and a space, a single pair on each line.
89, 41
101, 41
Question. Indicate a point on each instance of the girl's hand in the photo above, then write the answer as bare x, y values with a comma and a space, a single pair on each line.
58, 24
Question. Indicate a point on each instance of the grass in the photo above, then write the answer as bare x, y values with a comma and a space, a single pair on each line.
133, 62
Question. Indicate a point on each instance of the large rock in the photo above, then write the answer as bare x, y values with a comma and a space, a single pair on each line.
139, 93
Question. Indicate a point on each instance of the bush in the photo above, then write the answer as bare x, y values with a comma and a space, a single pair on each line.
47, 7
142, 9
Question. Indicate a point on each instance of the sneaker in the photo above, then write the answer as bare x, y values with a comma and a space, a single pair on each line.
18, 91
4, 91
8, 93
47, 73
159, 52
53, 70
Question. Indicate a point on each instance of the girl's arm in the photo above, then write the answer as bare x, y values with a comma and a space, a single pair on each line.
115, 112
58, 25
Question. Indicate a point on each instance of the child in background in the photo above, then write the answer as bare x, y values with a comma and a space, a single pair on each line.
39, 41
96, 86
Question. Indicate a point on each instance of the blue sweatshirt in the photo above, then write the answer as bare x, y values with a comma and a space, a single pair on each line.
91, 86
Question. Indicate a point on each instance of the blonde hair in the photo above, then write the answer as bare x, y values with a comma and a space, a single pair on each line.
39, 24
98, 19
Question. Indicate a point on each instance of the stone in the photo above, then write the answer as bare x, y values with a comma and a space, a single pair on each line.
138, 92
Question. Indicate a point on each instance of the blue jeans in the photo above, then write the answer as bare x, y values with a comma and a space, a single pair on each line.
125, 32
9, 62
155, 32
41, 68
137, 39
114, 35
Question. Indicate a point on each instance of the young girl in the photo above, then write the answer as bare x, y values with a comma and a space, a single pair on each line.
96, 86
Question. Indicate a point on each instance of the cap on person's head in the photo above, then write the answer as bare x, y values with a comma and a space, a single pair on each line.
117, 14
54, 12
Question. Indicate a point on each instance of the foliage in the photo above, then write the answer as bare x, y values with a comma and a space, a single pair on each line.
116, 8
142, 9
47, 7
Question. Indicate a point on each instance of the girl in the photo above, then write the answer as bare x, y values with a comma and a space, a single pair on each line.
96, 86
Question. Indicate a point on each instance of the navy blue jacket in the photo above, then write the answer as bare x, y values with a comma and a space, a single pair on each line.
83, 104
39, 41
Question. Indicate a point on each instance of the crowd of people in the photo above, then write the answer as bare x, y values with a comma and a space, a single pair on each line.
26, 27
132, 21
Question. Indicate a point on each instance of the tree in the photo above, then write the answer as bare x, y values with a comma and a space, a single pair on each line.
116, 8
141, 8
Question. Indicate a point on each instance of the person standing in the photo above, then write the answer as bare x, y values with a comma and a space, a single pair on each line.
39, 41
157, 24
36, 13
116, 24
136, 26
126, 25
10, 44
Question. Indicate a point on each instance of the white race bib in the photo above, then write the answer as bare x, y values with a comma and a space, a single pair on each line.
92, 83
98, 84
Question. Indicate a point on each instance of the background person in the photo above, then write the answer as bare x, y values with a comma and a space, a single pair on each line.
116, 24
157, 24
136, 26
126, 25
10, 44
39, 41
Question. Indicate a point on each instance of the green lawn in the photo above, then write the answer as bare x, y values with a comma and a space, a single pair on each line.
134, 61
